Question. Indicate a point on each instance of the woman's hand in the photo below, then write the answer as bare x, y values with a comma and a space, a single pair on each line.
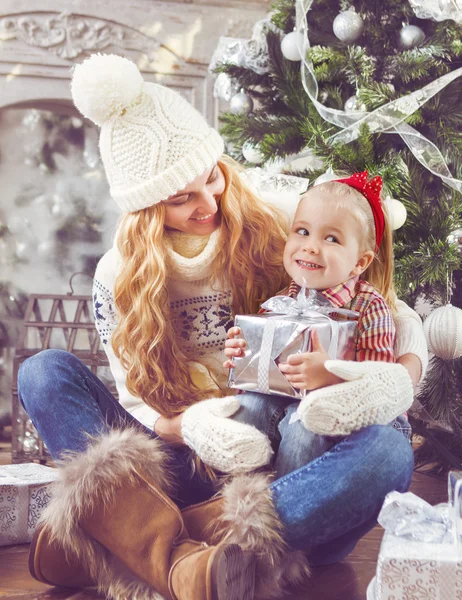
170, 430
307, 371
224, 444
233, 347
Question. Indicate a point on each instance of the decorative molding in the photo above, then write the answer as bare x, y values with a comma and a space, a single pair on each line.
69, 35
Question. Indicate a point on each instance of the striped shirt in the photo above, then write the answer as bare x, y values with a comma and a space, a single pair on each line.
376, 330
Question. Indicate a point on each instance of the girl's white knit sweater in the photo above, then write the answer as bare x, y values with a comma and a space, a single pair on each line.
201, 315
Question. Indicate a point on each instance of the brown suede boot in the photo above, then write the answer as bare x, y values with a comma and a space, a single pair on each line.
201, 520
50, 564
110, 510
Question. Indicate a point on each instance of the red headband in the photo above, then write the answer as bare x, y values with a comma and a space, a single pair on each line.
371, 191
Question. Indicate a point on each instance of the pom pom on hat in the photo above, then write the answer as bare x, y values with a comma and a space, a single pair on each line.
104, 86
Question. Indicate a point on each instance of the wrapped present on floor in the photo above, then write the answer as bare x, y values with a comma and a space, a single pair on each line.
24, 493
286, 329
421, 552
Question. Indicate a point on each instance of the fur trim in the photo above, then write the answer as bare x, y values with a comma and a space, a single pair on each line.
87, 479
249, 519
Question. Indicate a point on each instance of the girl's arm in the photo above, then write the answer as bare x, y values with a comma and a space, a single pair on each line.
410, 346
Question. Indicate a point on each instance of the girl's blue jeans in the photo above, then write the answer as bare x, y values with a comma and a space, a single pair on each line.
326, 504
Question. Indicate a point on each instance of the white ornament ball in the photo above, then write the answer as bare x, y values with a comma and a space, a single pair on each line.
397, 213
354, 105
443, 330
329, 175
105, 85
348, 26
252, 154
290, 45
411, 36
241, 103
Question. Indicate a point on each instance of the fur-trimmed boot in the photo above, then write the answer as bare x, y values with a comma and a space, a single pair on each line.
249, 519
110, 510
50, 564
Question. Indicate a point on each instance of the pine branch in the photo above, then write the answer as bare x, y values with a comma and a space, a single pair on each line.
283, 14
418, 63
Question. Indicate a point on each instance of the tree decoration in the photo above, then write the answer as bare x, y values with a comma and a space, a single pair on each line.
241, 103
397, 213
411, 36
252, 154
443, 330
290, 45
348, 26
455, 238
438, 10
353, 104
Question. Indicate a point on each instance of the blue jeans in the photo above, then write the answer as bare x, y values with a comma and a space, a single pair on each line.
294, 446
326, 505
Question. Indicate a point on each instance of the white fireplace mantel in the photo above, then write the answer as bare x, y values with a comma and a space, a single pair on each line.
171, 41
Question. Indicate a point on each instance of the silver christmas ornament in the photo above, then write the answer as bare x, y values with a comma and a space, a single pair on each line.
411, 36
443, 330
290, 45
348, 26
241, 103
224, 87
252, 153
354, 105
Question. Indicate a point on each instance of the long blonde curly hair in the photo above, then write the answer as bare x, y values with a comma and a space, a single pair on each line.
249, 263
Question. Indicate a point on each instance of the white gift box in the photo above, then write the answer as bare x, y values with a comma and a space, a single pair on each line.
24, 493
421, 570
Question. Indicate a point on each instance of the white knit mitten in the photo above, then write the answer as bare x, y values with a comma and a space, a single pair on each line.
223, 444
372, 393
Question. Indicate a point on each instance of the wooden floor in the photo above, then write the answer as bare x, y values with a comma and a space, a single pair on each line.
344, 581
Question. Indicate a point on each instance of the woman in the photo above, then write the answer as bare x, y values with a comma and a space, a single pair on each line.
194, 247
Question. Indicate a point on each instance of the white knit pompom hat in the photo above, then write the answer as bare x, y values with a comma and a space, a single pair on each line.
152, 142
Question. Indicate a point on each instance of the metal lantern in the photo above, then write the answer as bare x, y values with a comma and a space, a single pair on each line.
69, 326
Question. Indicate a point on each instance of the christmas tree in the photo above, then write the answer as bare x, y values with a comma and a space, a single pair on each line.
368, 85
56, 218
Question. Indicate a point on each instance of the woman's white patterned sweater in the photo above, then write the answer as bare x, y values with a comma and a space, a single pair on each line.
202, 315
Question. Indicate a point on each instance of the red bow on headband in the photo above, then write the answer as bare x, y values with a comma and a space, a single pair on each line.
371, 191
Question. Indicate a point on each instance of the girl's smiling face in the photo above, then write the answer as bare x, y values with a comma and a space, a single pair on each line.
195, 209
324, 244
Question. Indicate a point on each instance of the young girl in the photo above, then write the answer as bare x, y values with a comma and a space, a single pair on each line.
339, 238
194, 247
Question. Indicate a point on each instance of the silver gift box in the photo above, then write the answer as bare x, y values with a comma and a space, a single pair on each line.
271, 337
421, 552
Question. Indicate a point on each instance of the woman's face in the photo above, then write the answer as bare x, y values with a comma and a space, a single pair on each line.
194, 209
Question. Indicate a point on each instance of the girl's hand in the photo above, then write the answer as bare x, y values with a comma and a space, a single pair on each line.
233, 347
307, 371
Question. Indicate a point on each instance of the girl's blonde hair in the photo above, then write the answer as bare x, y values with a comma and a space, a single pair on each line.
380, 272
251, 243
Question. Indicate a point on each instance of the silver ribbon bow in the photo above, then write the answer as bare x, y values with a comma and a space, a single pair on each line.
313, 306
304, 304
409, 517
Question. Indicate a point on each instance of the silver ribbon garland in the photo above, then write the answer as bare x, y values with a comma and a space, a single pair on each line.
438, 10
388, 118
